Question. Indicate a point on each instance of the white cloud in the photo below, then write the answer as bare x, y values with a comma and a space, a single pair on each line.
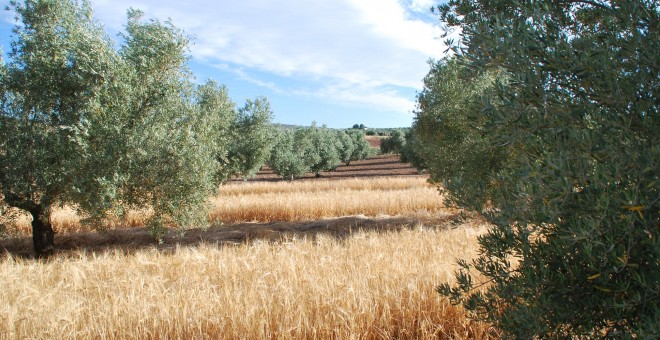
390, 20
387, 99
241, 74
367, 46
423, 5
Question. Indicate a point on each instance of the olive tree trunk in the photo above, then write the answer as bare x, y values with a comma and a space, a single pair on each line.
42, 231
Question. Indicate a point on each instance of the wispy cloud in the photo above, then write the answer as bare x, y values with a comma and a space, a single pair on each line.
358, 51
423, 5
245, 76
389, 99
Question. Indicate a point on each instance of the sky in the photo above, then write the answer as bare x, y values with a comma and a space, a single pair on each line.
336, 63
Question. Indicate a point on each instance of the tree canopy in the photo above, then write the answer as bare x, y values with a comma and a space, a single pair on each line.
545, 121
106, 129
252, 137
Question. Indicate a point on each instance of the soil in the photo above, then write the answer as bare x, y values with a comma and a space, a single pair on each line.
131, 240
376, 166
374, 141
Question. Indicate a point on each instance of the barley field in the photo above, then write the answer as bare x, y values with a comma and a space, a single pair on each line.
309, 200
288, 201
314, 273
370, 285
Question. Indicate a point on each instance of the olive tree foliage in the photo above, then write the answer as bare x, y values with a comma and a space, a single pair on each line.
212, 99
60, 64
347, 146
326, 145
451, 140
170, 145
102, 129
252, 136
394, 143
546, 122
310, 149
361, 148
290, 156
409, 151
43, 94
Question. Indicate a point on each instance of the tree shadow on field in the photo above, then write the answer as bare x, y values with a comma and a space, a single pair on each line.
130, 240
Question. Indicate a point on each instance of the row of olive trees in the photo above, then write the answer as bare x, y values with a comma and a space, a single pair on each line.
394, 143
546, 122
108, 129
314, 149
404, 144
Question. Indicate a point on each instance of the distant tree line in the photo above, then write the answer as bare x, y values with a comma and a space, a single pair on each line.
315, 149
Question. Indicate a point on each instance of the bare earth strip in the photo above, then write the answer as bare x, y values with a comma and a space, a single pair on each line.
130, 240
377, 166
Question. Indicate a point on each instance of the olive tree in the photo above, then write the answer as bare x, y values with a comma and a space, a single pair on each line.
325, 144
102, 129
212, 99
347, 146
561, 156
409, 151
361, 148
451, 143
287, 157
309, 149
61, 62
252, 136
394, 143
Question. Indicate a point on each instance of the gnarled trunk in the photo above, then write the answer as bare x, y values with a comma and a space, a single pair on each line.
42, 232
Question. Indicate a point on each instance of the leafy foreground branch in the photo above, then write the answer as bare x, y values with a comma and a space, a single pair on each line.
546, 121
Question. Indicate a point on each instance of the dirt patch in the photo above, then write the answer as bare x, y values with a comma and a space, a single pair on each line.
376, 166
129, 240
374, 141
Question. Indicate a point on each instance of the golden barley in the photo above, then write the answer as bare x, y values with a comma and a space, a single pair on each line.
288, 201
369, 285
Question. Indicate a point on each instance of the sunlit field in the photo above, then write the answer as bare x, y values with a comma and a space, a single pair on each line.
335, 276
285, 201
289, 201
370, 285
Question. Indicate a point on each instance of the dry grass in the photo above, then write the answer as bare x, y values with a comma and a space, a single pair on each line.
369, 285
343, 277
323, 185
289, 201
285, 201
66, 220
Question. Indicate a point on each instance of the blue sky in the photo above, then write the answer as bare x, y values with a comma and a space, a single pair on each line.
337, 62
